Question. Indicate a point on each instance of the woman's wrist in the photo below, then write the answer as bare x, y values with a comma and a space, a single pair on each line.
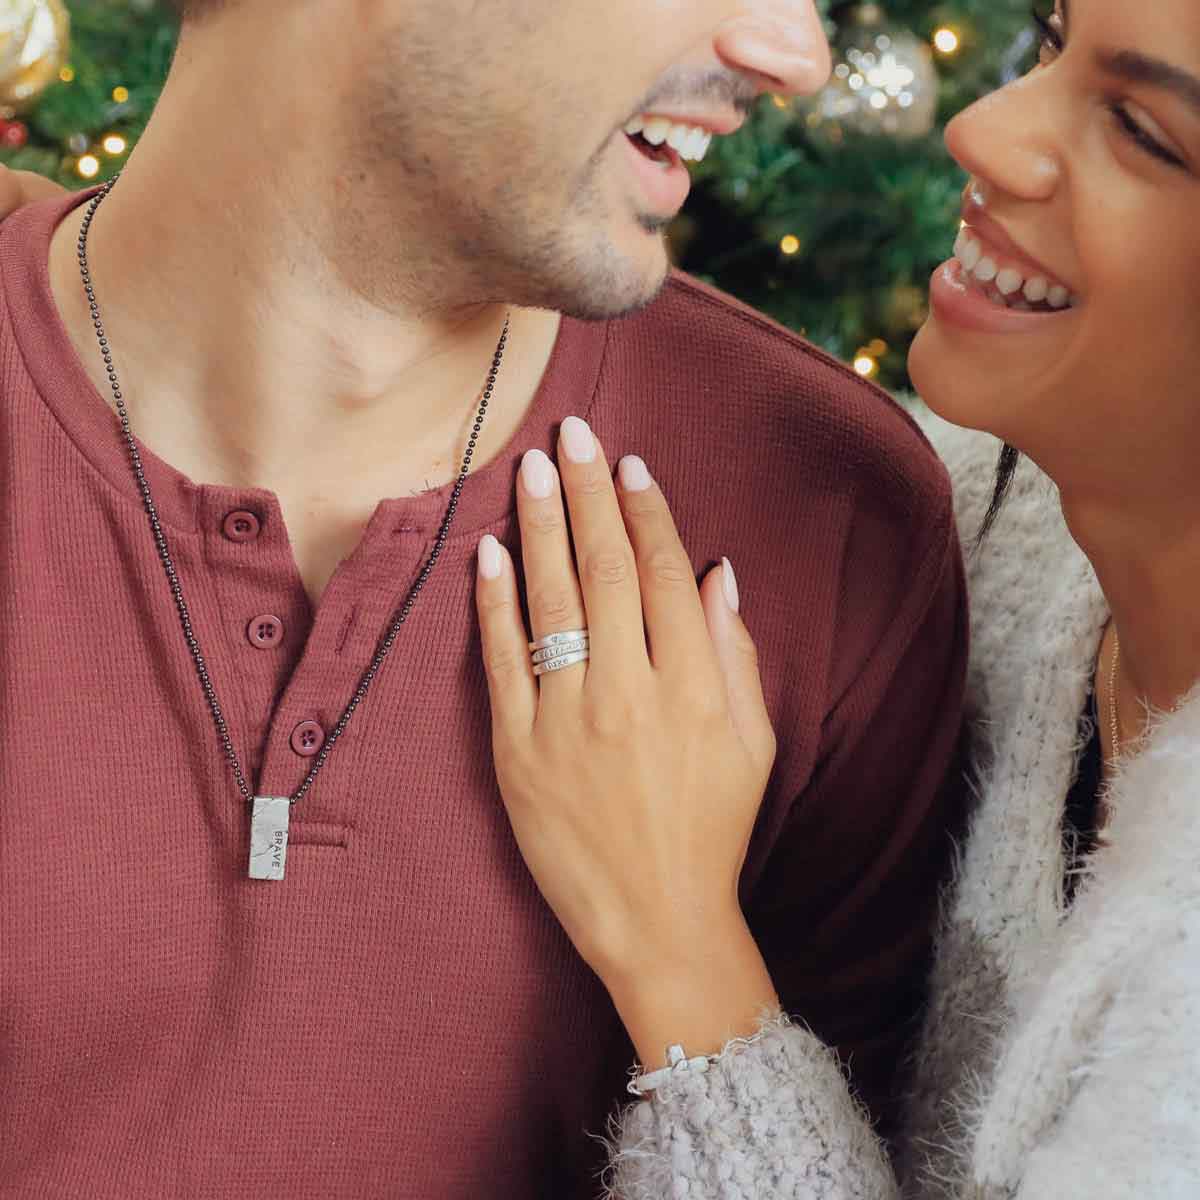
696, 996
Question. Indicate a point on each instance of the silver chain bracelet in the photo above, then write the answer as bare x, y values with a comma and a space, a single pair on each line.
678, 1062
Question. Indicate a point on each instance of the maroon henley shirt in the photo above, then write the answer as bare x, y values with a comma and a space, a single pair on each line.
402, 1016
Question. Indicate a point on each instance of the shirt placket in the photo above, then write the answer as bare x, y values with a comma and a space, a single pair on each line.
263, 612
356, 609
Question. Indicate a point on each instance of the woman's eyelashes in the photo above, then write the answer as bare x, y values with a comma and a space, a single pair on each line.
1130, 127
1053, 42
1050, 28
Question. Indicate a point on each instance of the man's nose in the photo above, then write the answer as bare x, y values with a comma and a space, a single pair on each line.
780, 41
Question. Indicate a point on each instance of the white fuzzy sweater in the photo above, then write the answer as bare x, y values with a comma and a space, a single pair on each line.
1060, 1058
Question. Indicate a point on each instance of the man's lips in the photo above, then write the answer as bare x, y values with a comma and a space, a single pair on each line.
720, 124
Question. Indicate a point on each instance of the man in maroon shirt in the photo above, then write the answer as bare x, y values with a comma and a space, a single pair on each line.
301, 354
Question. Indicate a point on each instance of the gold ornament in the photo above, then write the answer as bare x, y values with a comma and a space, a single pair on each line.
34, 35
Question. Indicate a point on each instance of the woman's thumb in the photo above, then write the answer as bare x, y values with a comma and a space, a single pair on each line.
738, 659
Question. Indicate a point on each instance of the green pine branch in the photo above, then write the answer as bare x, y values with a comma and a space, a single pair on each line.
114, 43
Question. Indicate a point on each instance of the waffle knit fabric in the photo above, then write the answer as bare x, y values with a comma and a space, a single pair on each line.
402, 1015
1060, 1054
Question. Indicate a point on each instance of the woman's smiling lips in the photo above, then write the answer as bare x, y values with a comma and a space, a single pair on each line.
957, 299
1004, 250
993, 285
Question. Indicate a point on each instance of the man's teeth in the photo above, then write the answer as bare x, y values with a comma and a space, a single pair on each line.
1004, 285
688, 141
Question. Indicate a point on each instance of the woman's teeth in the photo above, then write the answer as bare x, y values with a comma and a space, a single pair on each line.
688, 141
1006, 286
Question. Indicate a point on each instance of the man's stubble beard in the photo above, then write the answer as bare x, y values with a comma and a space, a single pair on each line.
446, 222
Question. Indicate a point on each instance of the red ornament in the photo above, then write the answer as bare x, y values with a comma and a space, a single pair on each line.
13, 134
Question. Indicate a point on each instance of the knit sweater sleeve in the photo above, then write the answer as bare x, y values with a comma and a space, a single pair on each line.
774, 1119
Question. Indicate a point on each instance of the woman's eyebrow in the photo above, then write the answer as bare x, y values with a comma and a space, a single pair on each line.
1138, 68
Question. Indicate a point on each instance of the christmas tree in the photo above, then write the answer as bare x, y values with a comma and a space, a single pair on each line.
829, 214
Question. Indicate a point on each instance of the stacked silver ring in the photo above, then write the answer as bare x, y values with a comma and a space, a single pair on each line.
558, 650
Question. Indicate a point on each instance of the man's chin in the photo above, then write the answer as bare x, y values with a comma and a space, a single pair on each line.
622, 287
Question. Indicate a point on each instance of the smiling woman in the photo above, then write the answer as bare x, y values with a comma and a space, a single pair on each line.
1085, 174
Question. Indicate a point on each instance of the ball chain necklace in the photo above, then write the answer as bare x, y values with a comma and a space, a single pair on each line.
269, 819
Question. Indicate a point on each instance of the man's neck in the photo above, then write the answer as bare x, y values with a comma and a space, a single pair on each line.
246, 356
240, 366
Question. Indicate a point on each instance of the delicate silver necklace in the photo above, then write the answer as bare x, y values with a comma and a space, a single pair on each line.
269, 818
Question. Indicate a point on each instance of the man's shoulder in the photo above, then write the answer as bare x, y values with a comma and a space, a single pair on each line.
741, 383
28, 315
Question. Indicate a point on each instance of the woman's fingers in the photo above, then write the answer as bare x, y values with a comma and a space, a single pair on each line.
551, 584
738, 659
511, 684
607, 568
675, 624
634, 772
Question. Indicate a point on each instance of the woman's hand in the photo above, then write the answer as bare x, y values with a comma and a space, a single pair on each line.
632, 780
18, 188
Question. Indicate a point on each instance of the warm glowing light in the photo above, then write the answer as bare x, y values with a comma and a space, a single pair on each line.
67, 74
120, 94
790, 244
780, 101
946, 40
114, 143
866, 366
876, 348
88, 166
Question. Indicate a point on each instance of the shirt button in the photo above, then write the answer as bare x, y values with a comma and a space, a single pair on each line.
265, 632
241, 526
307, 738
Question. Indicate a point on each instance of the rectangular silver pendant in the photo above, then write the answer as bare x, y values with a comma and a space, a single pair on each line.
268, 836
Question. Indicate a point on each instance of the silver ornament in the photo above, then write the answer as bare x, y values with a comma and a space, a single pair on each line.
884, 83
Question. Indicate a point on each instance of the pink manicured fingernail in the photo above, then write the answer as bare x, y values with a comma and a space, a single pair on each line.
491, 557
729, 583
577, 440
537, 473
633, 475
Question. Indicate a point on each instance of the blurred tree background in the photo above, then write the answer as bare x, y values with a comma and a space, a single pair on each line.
829, 214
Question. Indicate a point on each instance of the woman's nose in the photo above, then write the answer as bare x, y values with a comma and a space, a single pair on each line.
1009, 139
782, 42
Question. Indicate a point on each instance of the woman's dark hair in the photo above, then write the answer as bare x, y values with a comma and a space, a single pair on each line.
1006, 468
